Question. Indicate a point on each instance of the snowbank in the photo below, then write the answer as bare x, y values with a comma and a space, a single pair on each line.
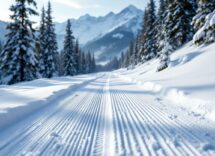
188, 82
19, 100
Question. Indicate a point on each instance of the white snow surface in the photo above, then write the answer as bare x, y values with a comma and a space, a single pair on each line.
19, 100
124, 112
189, 81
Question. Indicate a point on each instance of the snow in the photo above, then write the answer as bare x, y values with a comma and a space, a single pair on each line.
212, 21
201, 33
124, 112
188, 82
118, 35
19, 100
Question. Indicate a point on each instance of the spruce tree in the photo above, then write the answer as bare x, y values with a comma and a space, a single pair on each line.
50, 52
178, 22
143, 35
93, 63
122, 58
204, 8
19, 60
159, 26
203, 22
69, 52
150, 31
42, 42
131, 54
83, 63
77, 56
135, 51
164, 57
88, 62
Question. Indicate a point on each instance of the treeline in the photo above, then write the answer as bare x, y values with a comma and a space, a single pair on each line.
29, 54
174, 24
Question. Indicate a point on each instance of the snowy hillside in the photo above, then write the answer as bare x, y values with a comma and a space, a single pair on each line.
20, 100
188, 82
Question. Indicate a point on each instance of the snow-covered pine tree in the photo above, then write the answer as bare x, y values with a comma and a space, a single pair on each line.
69, 52
204, 8
131, 54
126, 59
51, 49
150, 31
143, 37
19, 60
138, 44
122, 60
77, 56
42, 42
164, 57
178, 22
204, 22
211, 30
88, 62
83, 63
136, 50
159, 27
93, 63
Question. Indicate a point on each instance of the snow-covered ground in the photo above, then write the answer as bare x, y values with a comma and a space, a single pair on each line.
189, 82
19, 100
135, 112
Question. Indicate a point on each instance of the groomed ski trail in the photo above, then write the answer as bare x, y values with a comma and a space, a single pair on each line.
106, 116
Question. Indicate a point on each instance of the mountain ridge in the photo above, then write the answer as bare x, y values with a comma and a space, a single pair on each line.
106, 35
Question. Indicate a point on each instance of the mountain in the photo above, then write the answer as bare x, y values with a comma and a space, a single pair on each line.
3, 31
108, 35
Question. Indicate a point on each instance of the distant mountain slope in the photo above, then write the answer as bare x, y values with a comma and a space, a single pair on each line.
107, 36
3, 31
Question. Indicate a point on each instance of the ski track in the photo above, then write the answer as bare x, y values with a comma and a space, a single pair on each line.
106, 116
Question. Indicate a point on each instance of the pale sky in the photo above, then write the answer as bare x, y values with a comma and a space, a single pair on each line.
64, 9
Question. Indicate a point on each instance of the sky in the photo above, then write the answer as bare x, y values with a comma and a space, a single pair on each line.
64, 9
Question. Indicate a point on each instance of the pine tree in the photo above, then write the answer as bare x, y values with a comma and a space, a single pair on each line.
203, 22
83, 63
93, 63
150, 32
138, 47
131, 54
159, 26
164, 57
42, 42
69, 52
177, 23
136, 50
50, 52
126, 59
88, 62
77, 56
19, 60
204, 8
143, 36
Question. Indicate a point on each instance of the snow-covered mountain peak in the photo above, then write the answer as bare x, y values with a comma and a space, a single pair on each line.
99, 33
86, 17
131, 9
